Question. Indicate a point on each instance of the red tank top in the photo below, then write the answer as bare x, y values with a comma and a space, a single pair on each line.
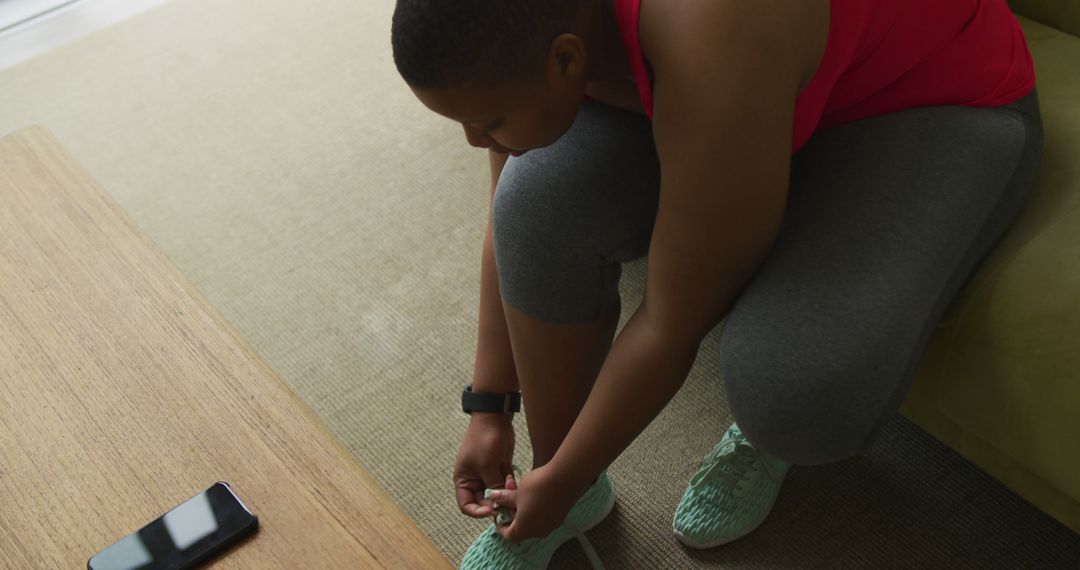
883, 56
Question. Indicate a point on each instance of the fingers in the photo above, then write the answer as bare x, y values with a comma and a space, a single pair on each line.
470, 495
469, 503
493, 479
510, 532
469, 490
504, 498
504, 502
504, 522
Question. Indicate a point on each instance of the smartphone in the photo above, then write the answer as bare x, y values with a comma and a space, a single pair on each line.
188, 535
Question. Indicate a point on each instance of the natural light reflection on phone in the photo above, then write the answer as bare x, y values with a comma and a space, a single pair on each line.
191, 521
128, 553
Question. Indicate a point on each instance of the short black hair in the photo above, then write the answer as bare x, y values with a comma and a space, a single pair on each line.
452, 43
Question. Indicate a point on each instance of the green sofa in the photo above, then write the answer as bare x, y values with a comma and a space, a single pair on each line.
1000, 382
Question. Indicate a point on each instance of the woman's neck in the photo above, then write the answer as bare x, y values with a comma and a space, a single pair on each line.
604, 42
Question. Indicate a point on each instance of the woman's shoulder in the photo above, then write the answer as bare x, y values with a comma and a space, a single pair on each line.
769, 31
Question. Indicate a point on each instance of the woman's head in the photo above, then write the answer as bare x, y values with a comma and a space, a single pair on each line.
511, 71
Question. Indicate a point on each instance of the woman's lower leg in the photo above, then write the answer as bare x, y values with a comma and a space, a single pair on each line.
556, 367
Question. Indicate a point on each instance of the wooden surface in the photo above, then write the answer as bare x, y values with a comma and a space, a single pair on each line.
123, 393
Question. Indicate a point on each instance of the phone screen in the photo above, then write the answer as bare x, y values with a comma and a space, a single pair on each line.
183, 537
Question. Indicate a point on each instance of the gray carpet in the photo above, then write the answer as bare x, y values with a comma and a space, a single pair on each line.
270, 150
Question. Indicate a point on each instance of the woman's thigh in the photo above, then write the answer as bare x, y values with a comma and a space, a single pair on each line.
886, 219
566, 216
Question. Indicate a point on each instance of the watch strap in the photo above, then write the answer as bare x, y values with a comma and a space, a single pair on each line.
489, 402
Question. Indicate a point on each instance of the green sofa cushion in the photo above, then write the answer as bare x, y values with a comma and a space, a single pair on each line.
1061, 14
999, 382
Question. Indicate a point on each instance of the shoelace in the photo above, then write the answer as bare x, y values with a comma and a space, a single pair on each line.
729, 468
590, 552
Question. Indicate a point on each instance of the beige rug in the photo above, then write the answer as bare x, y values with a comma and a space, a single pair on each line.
270, 150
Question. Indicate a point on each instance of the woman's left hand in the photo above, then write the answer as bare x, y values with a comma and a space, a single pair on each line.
539, 504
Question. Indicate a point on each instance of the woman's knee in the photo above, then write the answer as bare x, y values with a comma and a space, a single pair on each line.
803, 404
566, 216
549, 265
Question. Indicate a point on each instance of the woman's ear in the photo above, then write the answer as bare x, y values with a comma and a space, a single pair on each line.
567, 56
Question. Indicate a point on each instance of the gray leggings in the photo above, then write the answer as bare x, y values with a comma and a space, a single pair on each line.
886, 218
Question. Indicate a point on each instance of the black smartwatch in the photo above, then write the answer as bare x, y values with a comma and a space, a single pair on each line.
487, 402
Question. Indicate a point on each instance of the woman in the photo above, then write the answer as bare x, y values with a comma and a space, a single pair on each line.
825, 173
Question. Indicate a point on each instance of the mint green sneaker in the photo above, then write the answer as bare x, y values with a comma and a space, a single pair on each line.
731, 494
491, 552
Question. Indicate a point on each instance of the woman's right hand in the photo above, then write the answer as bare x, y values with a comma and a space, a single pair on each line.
484, 461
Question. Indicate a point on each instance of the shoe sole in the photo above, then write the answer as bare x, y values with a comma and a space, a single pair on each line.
727, 539
604, 513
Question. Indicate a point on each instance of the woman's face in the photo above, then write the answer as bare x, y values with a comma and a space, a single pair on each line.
510, 118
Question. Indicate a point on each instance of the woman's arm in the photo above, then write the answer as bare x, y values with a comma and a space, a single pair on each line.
725, 87
494, 369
